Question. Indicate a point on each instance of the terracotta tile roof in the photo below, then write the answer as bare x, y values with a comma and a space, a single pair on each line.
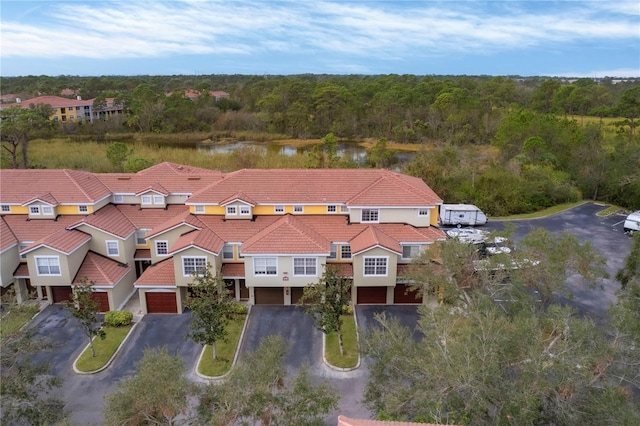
204, 239
237, 231
372, 237
233, 270
238, 196
64, 241
150, 218
391, 189
320, 186
7, 238
155, 187
45, 198
22, 271
33, 230
142, 254
288, 235
100, 270
56, 102
184, 218
174, 178
109, 219
410, 234
346, 421
18, 186
159, 275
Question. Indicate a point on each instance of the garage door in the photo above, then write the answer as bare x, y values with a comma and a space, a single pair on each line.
372, 295
61, 294
102, 297
161, 303
402, 294
269, 296
296, 294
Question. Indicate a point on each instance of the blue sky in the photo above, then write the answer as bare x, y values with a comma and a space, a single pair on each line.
551, 38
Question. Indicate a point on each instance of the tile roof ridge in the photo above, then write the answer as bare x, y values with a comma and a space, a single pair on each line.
365, 189
68, 172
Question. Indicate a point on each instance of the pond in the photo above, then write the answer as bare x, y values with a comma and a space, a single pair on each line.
346, 150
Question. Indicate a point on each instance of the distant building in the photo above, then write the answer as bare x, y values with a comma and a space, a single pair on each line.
77, 109
194, 94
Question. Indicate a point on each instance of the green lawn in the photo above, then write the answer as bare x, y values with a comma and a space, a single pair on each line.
226, 351
16, 318
105, 348
541, 213
349, 344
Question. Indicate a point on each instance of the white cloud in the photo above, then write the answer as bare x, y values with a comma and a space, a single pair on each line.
155, 29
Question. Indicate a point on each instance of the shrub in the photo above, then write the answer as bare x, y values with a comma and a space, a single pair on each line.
237, 309
118, 318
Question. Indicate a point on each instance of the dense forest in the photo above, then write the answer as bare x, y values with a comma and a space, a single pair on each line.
507, 144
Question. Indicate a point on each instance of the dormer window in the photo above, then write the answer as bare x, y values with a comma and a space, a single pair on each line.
232, 210
47, 210
158, 199
245, 211
198, 209
278, 209
298, 209
118, 198
34, 210
146, 199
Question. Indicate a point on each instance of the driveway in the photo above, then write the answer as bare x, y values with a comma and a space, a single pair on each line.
84, 394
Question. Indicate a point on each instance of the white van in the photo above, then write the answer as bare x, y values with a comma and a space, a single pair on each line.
632, 223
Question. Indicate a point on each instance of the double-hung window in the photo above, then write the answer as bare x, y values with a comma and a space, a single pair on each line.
345, 251
194, 265
369, 215
375, 266
227, 251
162, 248
265, 266
306, 266
48, 265
112, 248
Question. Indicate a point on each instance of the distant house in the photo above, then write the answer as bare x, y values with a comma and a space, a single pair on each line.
268, 233
77, 109
194, 94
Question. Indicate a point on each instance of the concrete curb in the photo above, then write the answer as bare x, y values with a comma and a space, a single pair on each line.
324, 346
235, 357
108, 363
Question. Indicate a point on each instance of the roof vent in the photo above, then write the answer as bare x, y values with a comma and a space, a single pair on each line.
193, 178
124, 178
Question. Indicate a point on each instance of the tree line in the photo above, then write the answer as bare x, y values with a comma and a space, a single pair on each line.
507, 144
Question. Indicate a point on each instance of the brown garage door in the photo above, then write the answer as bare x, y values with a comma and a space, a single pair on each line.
269, 296
372, 295
296, 294
402, 294
102, 297
61, 294
161, 303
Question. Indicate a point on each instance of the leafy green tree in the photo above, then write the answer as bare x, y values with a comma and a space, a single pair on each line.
327, 300
135, 164
156, 395
325, 154
19, 125
117, 153
84, 307
379, 155
211, 304
630, 270
629, 107
257, 392
26, 388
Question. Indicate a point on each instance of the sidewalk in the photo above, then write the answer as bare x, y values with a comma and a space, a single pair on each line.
133, 306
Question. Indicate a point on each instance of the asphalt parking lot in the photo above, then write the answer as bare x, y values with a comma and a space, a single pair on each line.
84, 394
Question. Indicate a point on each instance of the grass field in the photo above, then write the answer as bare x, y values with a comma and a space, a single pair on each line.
226, 351
104, 348
349, 342
16, 318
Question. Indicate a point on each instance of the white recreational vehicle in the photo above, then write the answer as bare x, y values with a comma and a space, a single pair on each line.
632, 222
461, 214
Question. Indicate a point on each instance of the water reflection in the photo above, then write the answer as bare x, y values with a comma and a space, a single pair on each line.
346, 150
